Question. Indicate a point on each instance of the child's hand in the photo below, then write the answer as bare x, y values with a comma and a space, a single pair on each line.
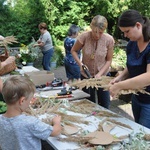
56, 120
56, 126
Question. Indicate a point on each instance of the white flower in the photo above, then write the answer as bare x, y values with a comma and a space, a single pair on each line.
19, 55
24, 63
24, 50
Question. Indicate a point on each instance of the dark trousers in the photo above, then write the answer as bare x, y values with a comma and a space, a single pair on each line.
102, 96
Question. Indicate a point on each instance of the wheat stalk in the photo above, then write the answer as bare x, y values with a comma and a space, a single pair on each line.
8, 40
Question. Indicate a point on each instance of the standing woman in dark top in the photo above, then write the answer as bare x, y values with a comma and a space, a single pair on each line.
71, 66
137, 73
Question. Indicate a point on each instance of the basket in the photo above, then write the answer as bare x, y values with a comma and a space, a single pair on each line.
9, 67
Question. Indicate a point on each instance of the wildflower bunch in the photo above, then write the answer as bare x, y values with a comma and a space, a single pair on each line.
28, 53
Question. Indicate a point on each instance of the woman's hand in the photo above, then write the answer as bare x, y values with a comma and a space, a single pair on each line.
115, 80
82, 70
114, 89
39, 41
98, 76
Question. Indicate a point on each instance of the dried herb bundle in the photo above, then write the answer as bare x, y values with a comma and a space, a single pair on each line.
8, 40
100, 126
70, 118
93, 82
83, 106
83, 102
40, 107
103, 113
119, 123
103, 82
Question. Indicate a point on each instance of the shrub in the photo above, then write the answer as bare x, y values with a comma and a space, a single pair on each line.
119, 59
58, 56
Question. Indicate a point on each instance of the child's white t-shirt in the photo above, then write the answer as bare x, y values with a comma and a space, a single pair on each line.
23, 132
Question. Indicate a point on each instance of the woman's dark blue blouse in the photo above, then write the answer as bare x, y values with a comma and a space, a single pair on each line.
68, 44
137, 63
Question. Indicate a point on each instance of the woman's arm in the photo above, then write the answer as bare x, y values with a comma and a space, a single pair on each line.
107, 64
39, 43
76, 47
9, 60
122, 76
137, 82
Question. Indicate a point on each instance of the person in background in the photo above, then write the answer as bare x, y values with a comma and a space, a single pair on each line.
97, 53
71, 66
136, 75
17, 130
46, 45
9, 60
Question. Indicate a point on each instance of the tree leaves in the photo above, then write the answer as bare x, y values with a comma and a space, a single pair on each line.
21, 18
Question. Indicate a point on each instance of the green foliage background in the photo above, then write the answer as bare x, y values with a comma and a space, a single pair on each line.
21, 17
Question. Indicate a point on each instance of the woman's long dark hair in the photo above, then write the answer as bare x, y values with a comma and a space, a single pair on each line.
130, 17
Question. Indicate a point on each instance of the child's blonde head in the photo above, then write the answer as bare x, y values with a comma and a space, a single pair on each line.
16, 87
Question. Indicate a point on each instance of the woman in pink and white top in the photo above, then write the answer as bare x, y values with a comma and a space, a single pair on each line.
97, 52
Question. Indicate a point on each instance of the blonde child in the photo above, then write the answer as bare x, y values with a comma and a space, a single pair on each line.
18, 131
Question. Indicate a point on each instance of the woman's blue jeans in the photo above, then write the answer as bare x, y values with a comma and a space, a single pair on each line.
141, 112
47, 55
102, 95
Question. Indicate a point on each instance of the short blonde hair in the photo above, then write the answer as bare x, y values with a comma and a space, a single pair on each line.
99, 22
16, 87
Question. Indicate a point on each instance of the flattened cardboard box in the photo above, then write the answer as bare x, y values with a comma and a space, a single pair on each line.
40, 77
